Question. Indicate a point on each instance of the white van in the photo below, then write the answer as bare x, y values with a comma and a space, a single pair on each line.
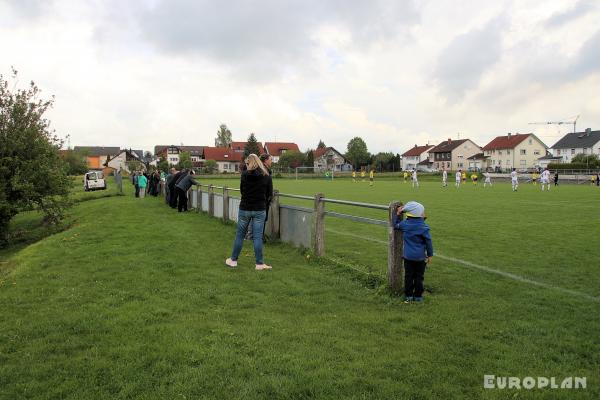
94, 180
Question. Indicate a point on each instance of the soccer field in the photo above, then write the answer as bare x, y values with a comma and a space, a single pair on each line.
544, 239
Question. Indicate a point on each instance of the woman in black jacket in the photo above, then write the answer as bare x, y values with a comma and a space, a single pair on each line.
256, 188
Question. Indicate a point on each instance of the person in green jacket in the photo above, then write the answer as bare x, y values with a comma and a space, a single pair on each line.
142, 183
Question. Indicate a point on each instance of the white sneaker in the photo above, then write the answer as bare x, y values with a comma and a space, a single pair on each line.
260, 267
231, 263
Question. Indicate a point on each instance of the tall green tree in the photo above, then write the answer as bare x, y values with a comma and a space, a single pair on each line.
291, 159
382, 161
185, 160
309, 159
356, 152
223, 137
32, 174
251, 146
321, 145
163, 164
76, 161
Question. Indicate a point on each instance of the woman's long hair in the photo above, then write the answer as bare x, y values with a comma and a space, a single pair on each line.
253, 162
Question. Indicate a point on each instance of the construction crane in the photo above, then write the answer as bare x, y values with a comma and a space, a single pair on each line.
574, 122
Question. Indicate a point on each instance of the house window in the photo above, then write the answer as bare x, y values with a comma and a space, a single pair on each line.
523, 152
585, 150
461, 157
507, 162
225, 166
499, 152
460, 165
499, 162
448, 164
572, 152
558, 152
508, 152
530, 141
536, 152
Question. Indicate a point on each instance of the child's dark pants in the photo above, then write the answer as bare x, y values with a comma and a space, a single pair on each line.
414, 272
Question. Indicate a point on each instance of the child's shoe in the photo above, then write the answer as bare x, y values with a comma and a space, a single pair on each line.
418, 299
408, 299
231, 263
260, 267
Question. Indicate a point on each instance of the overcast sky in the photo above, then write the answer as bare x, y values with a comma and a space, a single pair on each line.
397, 73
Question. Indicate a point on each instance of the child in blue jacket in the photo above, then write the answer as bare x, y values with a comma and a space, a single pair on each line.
418, 248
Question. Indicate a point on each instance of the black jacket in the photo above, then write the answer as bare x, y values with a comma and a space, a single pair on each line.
186, 182
256, 190
174, 180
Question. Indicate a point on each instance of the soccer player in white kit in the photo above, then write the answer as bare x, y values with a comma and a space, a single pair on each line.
415, 180
545, 179
487, 180
514, 180
457, 177
445, 178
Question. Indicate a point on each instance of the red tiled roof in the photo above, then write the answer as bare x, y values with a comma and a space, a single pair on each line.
240, 146
417, 151
506, 142
222, 154
274, 148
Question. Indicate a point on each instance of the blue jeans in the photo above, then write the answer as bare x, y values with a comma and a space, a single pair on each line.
245, 218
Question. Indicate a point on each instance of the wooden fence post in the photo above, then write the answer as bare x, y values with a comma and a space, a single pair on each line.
189, 199
274, 215
395, 270
211, 201
225, 204
199, 194
319, 225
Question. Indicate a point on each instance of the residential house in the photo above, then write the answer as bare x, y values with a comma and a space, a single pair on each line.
587, 142
544, 161
97, 155
453, 154
241, 147
331, 159
121, 160
228, 160
172, 153
520, 151
276, 149
477, 162
412, 157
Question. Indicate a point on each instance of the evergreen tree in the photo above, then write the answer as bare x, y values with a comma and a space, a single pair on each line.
321, 145
251, 146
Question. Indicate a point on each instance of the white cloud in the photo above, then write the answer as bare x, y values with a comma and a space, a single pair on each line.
137, 74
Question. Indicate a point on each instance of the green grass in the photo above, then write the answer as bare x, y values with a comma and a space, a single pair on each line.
133, 301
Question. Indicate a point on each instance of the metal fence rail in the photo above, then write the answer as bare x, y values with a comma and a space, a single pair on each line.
302, 226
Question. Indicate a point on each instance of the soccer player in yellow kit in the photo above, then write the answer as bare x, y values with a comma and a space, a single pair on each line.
371, 177
353, 176
534, 178
464, 177
405, 176
474, 178
362, 175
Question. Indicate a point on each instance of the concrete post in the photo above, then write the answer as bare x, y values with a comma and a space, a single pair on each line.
319, 225
395, 270
211, 201
274, 215
225, 204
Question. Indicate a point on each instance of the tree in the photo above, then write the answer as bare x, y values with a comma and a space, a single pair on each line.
321, 145
76, 161
309, 158
291, 159
251, 146
210, 166
223, 137
185, 160
591, 160
32, 174
383, 161
163, 164
357, 152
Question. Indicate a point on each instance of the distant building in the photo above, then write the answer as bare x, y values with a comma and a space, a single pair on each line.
414, 156
276, 149
453, 154
520, 151
240, 147
330, 159
172, 153
121, 160
97, 155
587, 142
228, 160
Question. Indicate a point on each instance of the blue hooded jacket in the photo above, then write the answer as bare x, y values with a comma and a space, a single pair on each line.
416, 237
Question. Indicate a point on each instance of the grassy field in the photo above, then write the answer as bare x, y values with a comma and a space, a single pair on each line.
133, 301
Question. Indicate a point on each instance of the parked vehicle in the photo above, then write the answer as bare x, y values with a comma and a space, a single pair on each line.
94, 180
